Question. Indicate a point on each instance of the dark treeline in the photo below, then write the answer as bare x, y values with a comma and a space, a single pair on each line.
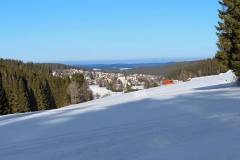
58, 66
184, 70
54, 66
32, 87
200, 68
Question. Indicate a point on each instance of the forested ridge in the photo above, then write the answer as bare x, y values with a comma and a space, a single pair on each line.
32, 87
184, 70
59, 66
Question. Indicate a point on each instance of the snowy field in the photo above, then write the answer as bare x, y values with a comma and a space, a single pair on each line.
100, 92
196, 120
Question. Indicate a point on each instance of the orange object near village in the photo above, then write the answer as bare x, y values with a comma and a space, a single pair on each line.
167, 82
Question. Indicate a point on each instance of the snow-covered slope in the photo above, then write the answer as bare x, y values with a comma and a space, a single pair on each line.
196, 120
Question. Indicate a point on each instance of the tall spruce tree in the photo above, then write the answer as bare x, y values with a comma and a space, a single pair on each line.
46, 99
23, 98
4, 107
229, 35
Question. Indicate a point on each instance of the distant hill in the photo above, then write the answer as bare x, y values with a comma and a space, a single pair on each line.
182, 70
172, 70
122, 66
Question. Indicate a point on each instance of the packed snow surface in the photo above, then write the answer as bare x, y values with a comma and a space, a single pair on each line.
195, 120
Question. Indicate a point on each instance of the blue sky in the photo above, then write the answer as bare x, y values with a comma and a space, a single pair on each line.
90, 30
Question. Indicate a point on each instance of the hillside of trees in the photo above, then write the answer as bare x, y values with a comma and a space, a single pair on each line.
183, 70
28, 87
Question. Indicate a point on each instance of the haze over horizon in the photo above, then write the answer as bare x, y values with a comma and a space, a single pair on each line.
61, 30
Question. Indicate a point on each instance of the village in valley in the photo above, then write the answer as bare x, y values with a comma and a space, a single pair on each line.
105, 84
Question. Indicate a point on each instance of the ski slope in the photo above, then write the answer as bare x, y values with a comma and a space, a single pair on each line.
195, 120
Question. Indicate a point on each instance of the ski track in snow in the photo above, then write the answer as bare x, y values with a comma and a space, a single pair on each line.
195, 120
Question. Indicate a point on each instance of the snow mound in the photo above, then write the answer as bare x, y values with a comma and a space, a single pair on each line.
199, 119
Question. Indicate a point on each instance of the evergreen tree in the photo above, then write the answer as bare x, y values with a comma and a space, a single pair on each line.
22, 98
13, 94
46, 98
4, 107
229, 35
